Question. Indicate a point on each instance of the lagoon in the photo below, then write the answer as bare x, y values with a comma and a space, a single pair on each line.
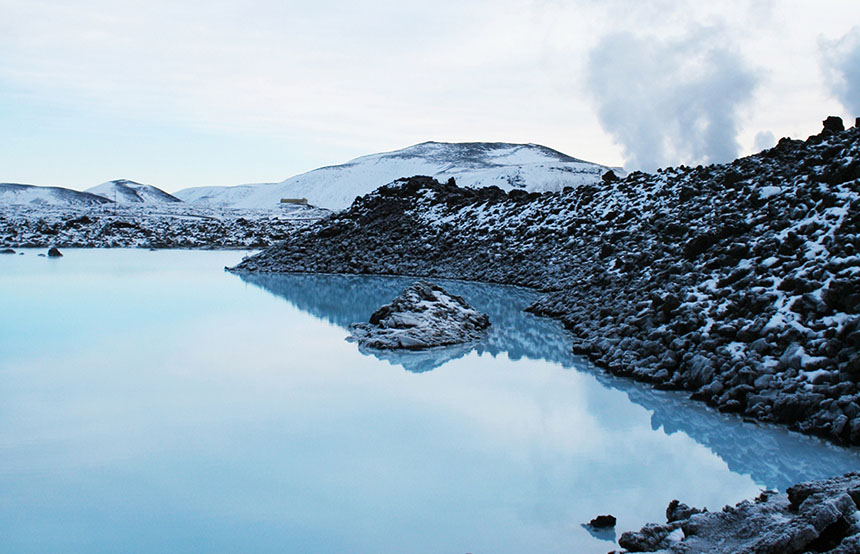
150, 401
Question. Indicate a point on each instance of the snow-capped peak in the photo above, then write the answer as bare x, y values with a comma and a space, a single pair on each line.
124, 192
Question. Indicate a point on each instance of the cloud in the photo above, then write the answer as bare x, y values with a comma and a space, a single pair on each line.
764, 140
670, 101
841, 61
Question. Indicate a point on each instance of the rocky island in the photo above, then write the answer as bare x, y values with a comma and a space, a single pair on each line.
423, 316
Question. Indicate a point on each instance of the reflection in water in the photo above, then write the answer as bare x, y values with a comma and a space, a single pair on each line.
346, 299
773, 457
604, 534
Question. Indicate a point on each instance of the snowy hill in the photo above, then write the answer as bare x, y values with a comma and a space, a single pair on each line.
127, 192
12, 194
474, 164
229, 197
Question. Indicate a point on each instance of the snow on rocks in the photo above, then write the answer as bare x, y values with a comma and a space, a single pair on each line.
423, 316
686, 279
170, 225
817, 516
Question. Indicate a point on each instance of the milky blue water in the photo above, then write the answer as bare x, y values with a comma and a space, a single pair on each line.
151, 402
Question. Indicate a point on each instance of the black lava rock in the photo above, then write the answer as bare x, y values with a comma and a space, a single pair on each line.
602, 521
833, 124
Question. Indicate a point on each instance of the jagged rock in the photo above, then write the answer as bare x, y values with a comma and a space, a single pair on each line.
610, 177
677, 511
818, 516
53, 252
423, 316
650, 538
833, 124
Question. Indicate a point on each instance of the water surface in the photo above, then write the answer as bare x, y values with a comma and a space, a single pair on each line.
152, 402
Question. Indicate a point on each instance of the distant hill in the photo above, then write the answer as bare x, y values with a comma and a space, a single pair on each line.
16, 194
529, 167
127, 192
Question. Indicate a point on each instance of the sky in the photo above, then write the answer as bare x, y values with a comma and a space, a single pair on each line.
223, 92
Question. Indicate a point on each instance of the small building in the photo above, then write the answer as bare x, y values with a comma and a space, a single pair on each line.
299, 201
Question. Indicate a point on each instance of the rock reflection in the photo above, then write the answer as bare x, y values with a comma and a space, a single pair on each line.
345, 299
604, 534
773, 457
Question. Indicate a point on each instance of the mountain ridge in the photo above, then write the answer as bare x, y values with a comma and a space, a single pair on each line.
528, 166
128, 192
16, 194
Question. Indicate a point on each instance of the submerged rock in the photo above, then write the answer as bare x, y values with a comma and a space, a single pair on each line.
818, 516
423, 316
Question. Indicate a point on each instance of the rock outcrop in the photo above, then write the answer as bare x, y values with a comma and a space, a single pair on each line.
817, 516
423, 316
736, 282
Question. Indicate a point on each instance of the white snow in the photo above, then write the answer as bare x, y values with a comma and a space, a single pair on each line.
13, 194
767, 192
529, 167
125, 192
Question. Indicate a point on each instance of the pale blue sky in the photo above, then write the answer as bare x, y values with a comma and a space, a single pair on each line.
224, 92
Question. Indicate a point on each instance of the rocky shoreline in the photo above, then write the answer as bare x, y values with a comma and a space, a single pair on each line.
816, 516
736, 282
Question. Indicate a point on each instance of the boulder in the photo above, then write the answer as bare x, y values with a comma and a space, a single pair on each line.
677, 511
833, 124
54, 253
423, 316
602, 521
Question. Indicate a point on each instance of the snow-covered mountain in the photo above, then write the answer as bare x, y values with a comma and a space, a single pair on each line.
126, 192
472, 164
13, 194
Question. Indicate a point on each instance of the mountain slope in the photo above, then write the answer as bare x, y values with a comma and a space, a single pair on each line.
478, 164
127, 192
13, 194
